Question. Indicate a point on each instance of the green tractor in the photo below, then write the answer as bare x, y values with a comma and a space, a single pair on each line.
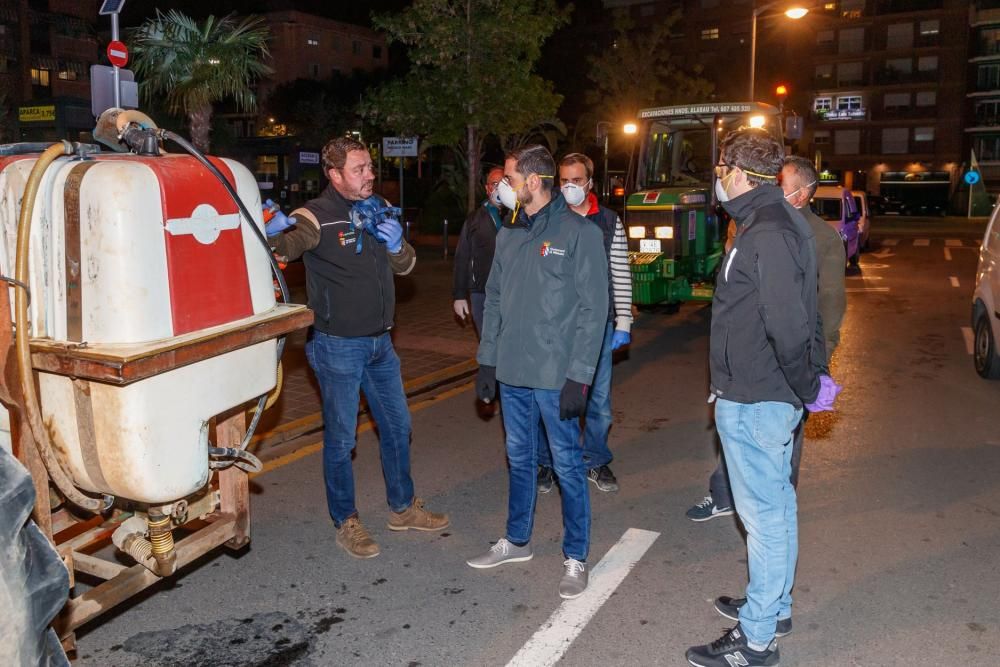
675, 236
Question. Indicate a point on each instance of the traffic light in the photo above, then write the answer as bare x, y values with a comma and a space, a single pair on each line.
781, 91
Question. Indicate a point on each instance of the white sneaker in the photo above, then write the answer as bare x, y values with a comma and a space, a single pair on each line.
501, 552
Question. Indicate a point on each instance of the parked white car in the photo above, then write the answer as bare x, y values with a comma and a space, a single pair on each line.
985, 304
865, 222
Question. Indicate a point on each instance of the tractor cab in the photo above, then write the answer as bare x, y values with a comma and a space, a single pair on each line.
675, 235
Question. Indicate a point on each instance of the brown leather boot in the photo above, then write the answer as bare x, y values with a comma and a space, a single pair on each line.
417, 518
355, 540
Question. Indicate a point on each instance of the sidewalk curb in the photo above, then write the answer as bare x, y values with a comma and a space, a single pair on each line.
289, 431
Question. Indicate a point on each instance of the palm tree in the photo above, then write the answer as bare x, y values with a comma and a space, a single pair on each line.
194, 65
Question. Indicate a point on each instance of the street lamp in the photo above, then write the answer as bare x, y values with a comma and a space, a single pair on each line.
794, 12
604, 135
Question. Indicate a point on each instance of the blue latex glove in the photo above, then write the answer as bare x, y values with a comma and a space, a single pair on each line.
620, 339
368, 214
828, 390
279, 223
390, 232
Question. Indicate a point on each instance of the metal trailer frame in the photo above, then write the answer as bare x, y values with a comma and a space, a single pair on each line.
218, 516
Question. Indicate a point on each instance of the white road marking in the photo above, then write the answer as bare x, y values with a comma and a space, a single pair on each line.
884, 253
969, 339
953, 243
947, 254
865, 278
866, 289
954, 281
922, 242
547, 646
890, 241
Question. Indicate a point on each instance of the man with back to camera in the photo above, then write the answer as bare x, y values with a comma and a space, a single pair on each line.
474, 254
576, 180
798, 181
767, 361
349, 279
543, 325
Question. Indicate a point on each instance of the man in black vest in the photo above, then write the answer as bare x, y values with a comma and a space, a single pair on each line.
474, 254
349, 280
576, 180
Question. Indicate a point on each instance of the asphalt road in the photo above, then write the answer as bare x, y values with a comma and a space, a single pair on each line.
898, 499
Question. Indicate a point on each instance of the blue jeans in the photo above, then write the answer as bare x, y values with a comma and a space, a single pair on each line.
523, 408
718, 483
597, 423
343, 366
757, 441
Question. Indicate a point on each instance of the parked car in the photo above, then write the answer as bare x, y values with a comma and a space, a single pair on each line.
865, 220
985, 306
836, 205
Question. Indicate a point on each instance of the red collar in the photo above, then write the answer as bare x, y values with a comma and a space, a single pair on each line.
594, 206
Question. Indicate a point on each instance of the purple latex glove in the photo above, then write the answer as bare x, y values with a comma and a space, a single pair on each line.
619, 339
828, 390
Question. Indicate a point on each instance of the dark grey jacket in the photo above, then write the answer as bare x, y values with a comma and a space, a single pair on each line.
474, 253
546, 299
831, 258
767, 342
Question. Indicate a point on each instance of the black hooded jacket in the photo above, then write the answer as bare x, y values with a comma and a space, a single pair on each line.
767, 342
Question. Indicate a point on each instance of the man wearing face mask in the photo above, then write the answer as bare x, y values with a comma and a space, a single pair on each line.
768, 362
474, 253
576, 173
349, 272
543, 327
798, 182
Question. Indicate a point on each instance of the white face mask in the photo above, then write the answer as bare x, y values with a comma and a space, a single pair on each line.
574, 194
797, 190
720, 188
506, 195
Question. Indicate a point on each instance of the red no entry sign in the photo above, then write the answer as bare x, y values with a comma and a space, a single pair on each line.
118, 53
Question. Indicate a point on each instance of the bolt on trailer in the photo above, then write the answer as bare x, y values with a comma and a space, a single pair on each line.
676, 238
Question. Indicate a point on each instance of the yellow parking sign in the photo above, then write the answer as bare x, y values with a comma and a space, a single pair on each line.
37, 114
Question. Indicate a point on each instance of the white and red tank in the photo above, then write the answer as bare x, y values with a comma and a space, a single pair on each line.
128, 250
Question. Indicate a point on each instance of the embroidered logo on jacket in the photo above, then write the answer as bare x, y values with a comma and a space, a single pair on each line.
547, 250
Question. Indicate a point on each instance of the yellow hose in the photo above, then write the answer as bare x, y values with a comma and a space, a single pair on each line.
276, 392
25, 370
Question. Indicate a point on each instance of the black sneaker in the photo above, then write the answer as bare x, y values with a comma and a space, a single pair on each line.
546, 479
730, 608
732, 649
603, 479
707, 509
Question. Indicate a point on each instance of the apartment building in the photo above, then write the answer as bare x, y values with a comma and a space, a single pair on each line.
888, 87
982, 132
46, 50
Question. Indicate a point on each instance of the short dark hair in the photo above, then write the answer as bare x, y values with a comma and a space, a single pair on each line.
806, 172
756, 152
336, 150
534, 159
579, 158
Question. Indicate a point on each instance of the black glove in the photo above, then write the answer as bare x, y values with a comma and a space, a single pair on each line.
573, 400
486, 383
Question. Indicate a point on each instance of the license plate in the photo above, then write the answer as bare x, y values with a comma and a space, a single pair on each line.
650, 245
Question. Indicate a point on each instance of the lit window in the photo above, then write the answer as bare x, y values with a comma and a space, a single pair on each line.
923, 134
849, 102
830, 6
710, 33
822, 104
931, 27
67, 75
39, 77
312, 41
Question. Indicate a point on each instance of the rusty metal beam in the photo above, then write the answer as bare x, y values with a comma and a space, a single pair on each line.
121, 365
96, 601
